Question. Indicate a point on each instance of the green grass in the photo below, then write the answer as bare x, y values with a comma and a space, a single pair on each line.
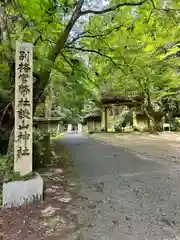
16, 177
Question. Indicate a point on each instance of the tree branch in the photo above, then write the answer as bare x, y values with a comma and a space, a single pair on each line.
173, 55
99, 53
115, 7
66, 60
164, 9
79, 70
98, 36
4, 27
65, 34
94, 35
95, 84
44, 75
164, 48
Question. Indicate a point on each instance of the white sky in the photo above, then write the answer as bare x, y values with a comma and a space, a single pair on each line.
79, 26
95, 4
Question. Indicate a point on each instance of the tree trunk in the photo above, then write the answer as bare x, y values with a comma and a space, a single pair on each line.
148, 110
49, 102
153, 127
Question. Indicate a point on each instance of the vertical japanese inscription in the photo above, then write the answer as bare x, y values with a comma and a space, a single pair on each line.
23, 108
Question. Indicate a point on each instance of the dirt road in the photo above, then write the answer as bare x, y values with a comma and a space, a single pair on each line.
131, 187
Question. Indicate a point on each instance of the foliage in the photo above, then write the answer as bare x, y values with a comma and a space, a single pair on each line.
41, 149
16, 177
6, 166
174, 125
139, 53
81, 48
124, 119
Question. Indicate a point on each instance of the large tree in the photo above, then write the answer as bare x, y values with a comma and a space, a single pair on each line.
140, 53
48, 24
61, 29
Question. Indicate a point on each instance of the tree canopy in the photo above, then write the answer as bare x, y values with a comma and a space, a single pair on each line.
83, 47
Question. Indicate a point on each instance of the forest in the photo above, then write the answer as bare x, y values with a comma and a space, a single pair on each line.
82, 48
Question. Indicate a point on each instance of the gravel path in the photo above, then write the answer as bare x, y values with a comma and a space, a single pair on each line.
128, 195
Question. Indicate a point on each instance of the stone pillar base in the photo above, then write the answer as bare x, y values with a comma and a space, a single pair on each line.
18, 193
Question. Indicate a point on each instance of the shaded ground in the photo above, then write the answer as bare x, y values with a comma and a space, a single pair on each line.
55, 218
132, 190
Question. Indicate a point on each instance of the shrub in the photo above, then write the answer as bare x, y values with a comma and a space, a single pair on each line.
124, 119
175, 125
41, 149
6, 167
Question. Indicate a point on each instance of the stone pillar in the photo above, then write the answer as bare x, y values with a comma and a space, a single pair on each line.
17, 193
102, 119
135, 125
105, 119
79, 128
58, 129
69, 128
23, 128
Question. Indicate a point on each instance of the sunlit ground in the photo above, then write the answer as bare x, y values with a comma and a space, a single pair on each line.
60, 135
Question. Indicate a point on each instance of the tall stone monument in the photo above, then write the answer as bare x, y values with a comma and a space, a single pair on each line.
23, 127
17, 193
